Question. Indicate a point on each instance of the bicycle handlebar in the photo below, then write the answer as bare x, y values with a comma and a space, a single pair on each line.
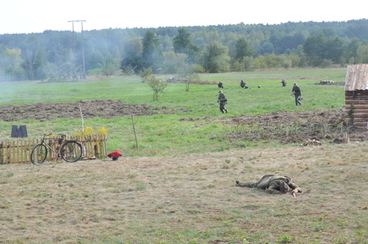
50, 134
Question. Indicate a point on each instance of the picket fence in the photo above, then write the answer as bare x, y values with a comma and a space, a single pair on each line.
19, 150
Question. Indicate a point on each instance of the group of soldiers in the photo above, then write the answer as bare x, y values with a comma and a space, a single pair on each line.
274, 184
222, 100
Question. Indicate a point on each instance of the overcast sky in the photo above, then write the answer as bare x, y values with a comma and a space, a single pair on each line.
25, 16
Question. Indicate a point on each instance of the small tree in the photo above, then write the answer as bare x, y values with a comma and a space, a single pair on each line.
158, 86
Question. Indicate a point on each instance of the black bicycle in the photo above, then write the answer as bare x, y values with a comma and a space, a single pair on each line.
69, 150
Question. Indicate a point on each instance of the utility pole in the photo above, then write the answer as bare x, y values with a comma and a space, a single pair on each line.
83, 54
72, 21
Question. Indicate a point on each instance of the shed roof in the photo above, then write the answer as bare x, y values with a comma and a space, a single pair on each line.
356, 77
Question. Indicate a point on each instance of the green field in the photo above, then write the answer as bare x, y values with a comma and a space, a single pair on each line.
179, 186
195, 125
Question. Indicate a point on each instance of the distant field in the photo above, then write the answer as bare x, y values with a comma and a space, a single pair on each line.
195, 117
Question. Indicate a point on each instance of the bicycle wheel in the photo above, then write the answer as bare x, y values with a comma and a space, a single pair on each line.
71, 151
39, 154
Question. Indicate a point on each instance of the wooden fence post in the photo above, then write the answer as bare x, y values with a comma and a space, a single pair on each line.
135, 134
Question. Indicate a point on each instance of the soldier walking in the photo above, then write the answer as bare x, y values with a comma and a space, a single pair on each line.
297, 94
222, 100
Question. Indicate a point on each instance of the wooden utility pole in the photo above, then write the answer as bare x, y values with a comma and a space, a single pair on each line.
82, 46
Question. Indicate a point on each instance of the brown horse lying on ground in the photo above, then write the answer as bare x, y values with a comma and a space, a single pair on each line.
274, 184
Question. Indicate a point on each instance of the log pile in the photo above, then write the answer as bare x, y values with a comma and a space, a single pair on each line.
356, 107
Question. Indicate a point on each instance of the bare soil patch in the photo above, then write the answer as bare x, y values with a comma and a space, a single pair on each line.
190, 199
94, 108
297, 127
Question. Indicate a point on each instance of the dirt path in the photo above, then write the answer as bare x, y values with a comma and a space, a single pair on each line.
190, 198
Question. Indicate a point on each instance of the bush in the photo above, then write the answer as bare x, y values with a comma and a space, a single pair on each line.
158, 86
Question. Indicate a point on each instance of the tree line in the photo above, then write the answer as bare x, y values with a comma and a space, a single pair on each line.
64, 55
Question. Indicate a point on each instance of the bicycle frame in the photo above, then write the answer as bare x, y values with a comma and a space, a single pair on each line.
69, 150
61, 141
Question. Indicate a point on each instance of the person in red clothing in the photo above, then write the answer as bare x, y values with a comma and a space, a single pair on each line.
114, 155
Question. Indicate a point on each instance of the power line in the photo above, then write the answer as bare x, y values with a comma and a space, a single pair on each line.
83, 54
77, 21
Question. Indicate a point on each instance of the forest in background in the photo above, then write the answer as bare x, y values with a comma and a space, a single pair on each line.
67, 55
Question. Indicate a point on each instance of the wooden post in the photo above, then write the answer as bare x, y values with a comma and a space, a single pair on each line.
1, 153
81, 115
135, 134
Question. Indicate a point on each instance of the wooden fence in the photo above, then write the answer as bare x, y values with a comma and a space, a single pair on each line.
19, 150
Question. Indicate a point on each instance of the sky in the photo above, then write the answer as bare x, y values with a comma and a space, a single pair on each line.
28, 16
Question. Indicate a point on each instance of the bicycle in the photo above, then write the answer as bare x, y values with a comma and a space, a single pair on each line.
69, 150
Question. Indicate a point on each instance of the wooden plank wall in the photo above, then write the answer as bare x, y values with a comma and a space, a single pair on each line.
356, 104
19, 150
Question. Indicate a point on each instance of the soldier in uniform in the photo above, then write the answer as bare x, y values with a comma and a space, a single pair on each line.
274, 184
297, 94
243, 84
220, 85
222, 100
283, 83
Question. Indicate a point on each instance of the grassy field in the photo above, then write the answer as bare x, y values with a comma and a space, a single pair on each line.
179, 187
189, 199
196, 118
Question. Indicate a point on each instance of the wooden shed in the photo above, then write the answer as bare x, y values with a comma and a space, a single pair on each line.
356, 95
